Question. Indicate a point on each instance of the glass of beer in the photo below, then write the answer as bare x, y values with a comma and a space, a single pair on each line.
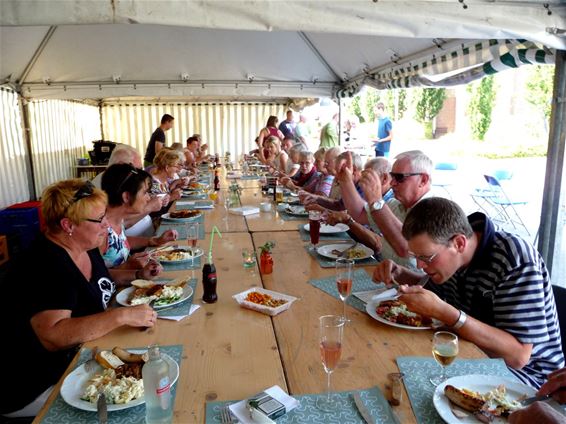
279, 195
314, 227
444, 350
344, 268
331, 333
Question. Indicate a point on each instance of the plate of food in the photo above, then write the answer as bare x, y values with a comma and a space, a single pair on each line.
118, 376
395, 313
264, 301
357, 252
164, 293
330, 229
297, 210
182, 215
177, 255
461, 399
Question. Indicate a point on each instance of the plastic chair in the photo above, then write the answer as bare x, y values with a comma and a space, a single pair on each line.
444, 178
505, 211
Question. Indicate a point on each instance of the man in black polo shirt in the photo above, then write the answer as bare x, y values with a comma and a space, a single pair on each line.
157, 140
491, 287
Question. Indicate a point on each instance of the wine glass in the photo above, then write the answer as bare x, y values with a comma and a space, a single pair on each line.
314, 227
344, 269
331, 332
444, 350
192, 237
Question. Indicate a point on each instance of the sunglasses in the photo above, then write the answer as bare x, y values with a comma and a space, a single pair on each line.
400, 177
96, 221
132, 172
85, 190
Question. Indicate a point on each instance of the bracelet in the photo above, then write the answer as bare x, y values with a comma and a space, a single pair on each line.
461, 321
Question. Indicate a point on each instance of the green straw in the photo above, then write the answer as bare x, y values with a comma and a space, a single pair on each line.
214, 229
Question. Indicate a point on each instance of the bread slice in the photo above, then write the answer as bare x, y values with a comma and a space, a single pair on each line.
108, 360
129, 357
142, 284
464, 399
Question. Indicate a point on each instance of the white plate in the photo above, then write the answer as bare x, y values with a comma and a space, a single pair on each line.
482, 384
326, 250
123, 297
167, 216
370, 309
329, 229
296, 210
197, 253
76, 382
241, 299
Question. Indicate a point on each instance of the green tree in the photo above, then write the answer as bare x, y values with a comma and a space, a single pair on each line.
481, 105
355, 108
539, 89
396, 103
429, 104
372, 98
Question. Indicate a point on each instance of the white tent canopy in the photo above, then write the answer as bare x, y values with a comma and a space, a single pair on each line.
244, 49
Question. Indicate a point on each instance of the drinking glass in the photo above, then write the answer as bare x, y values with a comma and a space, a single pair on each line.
331, 332
344, 269
444, 350
314, 227
212, 195
227, 204
248, 257
192, 237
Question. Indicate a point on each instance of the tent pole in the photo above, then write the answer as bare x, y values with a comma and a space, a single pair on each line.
101, 123
37, 53
552, 218
27, 137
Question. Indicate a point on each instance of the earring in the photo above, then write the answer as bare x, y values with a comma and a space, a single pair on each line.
70, 234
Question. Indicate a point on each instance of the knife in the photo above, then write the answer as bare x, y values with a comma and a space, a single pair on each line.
362, 409
101, 409
528, 401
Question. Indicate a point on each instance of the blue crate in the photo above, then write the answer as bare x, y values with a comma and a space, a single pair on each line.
22, 225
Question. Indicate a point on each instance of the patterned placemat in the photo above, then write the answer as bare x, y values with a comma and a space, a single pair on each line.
307, 411
305, 236
61, 412
198, 204
330, 263
183, 308
419, 370
181, 228
361, 282
288, 217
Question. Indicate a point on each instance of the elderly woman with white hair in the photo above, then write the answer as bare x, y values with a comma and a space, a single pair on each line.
307, 172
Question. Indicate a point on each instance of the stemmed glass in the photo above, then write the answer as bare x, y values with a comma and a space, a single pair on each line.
192, 237
227, 204
314, 227
444, 350
344, 269
331, 332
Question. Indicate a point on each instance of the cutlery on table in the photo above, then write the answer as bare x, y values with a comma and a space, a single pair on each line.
341, 253
362, 409
101, 409
226, 416
529, 400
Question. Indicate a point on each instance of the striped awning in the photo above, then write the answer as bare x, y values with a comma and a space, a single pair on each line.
461, 65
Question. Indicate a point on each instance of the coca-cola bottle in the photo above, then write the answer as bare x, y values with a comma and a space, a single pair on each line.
209, 281
216, 181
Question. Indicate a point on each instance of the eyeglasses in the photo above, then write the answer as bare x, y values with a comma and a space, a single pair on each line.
96, 221
400, 177
427, 259
132, 172
84, 191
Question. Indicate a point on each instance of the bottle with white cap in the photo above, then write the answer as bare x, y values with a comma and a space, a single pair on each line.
157, 388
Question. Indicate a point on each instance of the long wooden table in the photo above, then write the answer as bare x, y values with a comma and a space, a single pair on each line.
230, 353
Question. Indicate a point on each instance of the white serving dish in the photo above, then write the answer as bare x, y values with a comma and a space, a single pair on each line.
241, 299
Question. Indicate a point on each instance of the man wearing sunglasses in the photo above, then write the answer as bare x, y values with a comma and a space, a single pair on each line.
410, 181
491, 287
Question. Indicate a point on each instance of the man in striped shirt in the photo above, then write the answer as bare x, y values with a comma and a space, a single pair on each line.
490, 286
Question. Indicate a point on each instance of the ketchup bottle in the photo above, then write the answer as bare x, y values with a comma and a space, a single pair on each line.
209, 281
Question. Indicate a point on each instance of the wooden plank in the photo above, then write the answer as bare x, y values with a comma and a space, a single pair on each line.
370, 347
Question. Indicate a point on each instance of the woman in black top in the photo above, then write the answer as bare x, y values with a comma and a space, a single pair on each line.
60, 293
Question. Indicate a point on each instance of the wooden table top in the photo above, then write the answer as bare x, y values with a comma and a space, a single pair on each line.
230, 353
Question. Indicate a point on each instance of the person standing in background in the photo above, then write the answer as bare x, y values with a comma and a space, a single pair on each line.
287, 127
384, 131
329, 134
302, 131
157, 140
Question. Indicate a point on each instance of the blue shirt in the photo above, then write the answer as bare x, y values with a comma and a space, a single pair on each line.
287, 128
508, 287
384, 127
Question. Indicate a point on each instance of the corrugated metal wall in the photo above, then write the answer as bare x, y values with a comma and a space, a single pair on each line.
224, 127
61, 131
13, 159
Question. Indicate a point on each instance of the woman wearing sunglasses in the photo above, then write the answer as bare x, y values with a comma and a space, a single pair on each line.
128, 191
61, 290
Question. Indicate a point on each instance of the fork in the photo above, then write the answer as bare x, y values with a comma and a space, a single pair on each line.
226, 416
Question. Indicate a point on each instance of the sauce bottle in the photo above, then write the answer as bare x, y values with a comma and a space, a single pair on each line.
209, 281
157, 389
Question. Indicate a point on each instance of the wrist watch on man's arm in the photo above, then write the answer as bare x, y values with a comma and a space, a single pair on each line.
376, 206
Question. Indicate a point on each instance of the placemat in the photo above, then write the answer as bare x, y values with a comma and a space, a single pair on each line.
307, 411
200, 196
198, 204
305, 236
61, 412
330, 263
181, 228
361, 282
288, 217
183, 308
418, 371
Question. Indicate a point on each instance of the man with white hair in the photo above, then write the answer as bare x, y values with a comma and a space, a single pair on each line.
410, 181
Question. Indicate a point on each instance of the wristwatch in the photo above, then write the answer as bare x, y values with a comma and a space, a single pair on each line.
377, 205
350, 221
461, 321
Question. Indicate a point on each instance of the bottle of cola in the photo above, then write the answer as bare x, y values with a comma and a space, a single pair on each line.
209, 281
216, 181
